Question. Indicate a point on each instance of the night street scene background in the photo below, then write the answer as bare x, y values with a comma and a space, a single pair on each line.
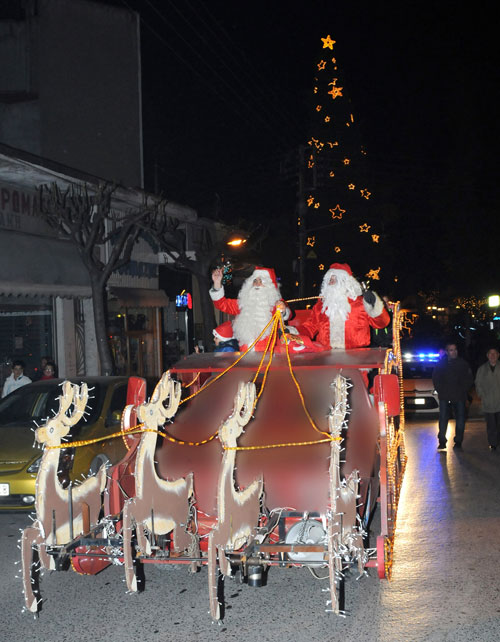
316, 132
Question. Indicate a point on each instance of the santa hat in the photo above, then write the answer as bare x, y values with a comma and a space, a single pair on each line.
265, 274
224, 331
341, 266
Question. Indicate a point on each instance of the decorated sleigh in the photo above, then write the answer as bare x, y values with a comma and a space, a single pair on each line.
238, 462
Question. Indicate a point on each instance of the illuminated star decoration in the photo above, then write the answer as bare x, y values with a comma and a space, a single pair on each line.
352, 186
318, 107
337, 249
364, 228
316, 205
346, 161
328, 42
321, 266
335, 91
310, 201
375, 238
311, 240
332, 174
337, 212
321, 65
365, 193
327, 119
373, 274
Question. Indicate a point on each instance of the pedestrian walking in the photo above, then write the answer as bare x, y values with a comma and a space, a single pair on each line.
452, 378
488, 389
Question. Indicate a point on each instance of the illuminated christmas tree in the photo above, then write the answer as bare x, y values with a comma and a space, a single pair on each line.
336, 220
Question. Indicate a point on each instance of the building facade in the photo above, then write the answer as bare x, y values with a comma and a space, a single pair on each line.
46, 305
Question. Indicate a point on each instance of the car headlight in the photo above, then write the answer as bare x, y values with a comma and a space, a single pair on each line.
35, 466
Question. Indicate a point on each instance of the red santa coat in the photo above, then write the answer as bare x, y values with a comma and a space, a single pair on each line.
357, 324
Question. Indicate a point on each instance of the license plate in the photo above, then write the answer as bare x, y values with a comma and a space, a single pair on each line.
4, 490
420, 402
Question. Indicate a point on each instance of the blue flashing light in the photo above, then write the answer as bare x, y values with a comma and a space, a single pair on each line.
429, 357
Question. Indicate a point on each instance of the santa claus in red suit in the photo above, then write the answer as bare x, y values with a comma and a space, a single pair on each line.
257, 301
343, 315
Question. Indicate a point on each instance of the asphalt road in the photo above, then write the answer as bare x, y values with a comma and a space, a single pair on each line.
445, 584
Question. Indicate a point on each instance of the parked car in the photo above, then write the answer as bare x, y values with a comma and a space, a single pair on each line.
27, 407
420, 397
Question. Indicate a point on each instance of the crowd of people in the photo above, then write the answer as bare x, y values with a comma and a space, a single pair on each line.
18, 378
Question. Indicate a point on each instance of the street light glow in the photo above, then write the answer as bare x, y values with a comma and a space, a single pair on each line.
236, 242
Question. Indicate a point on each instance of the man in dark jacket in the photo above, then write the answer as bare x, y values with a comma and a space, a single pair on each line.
452, 379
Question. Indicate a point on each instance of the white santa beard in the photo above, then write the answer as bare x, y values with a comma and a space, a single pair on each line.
256, 305
336, 306
336, 301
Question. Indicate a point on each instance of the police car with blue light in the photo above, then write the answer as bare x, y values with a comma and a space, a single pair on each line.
419, 393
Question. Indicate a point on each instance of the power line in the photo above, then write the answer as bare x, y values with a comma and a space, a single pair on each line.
214, 72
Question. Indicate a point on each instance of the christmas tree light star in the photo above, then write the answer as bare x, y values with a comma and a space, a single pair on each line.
373, 274
335, 92
321, 65
337, 212
364, 228
328, 42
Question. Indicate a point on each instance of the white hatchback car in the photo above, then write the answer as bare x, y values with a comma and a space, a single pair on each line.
419, 393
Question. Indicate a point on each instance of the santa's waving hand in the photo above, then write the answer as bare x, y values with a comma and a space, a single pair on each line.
257, 301
343, 315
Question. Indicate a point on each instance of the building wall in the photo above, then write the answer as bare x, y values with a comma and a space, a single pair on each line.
20, 125
70, 87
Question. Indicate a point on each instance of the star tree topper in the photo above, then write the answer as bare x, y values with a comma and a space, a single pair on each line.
328, 42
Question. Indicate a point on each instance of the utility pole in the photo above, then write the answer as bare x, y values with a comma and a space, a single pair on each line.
301, 214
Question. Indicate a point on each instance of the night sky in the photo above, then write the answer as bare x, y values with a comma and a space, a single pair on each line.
227, 94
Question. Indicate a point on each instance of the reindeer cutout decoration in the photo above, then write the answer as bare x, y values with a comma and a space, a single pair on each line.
160, 506
238, 511
54, 504
345, 541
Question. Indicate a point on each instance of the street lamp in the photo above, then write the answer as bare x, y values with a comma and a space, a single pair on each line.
236, 241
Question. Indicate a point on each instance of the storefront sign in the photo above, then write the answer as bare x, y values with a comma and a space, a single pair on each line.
19, 210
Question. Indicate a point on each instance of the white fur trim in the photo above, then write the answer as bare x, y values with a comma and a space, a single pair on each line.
215, 295
376, 309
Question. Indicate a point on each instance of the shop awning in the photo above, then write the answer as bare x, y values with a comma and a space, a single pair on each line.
140, 297
33, 265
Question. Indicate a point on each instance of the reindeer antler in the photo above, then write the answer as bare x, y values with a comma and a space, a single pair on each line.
172, 391
244, 403
79, 400
154, 410
58, 426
